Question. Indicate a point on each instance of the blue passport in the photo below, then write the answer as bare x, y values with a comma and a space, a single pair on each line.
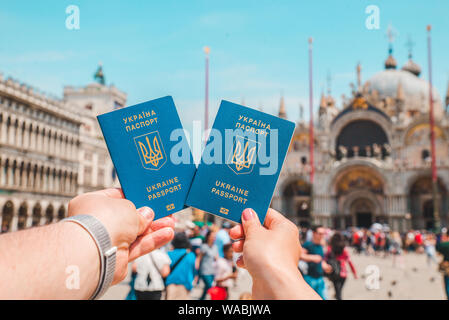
151, 154
241, 162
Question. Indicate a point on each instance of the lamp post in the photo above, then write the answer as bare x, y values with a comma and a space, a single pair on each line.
436, 214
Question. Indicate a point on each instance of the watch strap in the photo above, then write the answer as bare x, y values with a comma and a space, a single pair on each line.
107, 253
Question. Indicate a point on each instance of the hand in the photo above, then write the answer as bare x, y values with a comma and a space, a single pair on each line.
326, 267
132, 231
271, 254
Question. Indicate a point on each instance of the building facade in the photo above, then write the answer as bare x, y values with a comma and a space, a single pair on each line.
372, 156
51, 150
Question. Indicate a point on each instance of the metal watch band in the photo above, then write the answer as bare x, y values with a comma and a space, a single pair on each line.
107, 253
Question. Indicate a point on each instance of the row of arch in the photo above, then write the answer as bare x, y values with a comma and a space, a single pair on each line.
369, 122
30, 135
34, 176
26, 216
360, 196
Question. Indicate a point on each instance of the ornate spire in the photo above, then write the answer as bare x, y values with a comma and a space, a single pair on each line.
99, 75
410, 65
282, 112
359, 76
323, 101
390, 63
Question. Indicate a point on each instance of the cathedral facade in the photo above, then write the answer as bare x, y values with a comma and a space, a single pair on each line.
51, 149
372, 156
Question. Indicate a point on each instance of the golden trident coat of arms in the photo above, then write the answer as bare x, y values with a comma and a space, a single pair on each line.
151, 150
242, 159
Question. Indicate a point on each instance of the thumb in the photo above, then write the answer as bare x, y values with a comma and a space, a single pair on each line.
250, 222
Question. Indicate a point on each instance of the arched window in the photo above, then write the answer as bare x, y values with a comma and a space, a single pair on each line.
37, 214
7, 215
363, 138
61, 212
49, 214
23, 214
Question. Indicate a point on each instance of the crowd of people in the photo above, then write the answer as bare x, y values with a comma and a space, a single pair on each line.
200, 254
325, 252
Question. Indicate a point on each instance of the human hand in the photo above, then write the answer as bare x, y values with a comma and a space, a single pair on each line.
271, 254
327, 268
132, 231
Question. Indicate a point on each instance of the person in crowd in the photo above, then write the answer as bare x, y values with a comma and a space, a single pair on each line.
152, 269
419, 242
396, 249
429, 248
357, 237
370, 243
196, 239
337, 256
222, 237
443, 248
313, 254
206, 261
410, 241
28, 254
182, 269
226, 271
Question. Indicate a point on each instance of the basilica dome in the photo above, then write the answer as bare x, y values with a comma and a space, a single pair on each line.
414, 90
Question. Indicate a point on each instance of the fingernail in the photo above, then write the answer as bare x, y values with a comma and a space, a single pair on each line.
248, 214
146, 212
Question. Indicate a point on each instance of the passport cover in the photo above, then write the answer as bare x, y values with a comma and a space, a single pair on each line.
244, 178
138, 139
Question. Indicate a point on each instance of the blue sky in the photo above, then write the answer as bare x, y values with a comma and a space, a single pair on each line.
258, 48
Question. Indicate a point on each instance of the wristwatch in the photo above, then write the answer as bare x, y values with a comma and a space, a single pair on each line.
107, 253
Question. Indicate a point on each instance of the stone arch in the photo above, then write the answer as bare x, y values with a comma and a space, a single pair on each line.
421, 204
7, 216
61, 212
418, 124
359, 191
36, 215
22, 216
357, 177
350, 164
49, 214
367, 115
296, 201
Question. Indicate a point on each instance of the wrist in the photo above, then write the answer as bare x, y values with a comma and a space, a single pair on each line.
82, 260
282, 283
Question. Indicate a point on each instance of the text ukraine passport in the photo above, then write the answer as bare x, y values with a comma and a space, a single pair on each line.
241, 162
138, 139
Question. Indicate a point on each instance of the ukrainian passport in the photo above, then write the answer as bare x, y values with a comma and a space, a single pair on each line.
150, 153
241, 162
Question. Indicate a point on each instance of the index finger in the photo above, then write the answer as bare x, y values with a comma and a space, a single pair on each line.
273, 219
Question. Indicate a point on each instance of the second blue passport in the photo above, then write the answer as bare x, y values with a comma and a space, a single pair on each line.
139, 142
241, 162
